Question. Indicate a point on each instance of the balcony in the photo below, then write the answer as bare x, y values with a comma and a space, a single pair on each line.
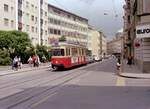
41, 2
19, 1
41, 22
19, 12
19, 25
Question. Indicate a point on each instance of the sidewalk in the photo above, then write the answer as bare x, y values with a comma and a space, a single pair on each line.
6, 70
133, 72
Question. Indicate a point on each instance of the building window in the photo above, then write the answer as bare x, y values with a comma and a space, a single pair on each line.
51, 31
45, 22
28, 27
32, 18
55, 31
33, 29
46, 32
146, 8
36, 30
5, 8
6, 21
51, 20
35, 7
36, 19
12, 9
45, 13
58, 32
12, 23
32, 6
27, 4
27, 15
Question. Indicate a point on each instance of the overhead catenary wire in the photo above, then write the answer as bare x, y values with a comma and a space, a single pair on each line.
114, 9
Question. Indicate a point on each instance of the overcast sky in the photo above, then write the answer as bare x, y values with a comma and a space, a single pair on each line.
94, 10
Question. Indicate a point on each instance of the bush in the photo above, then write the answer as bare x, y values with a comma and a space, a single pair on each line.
5, 57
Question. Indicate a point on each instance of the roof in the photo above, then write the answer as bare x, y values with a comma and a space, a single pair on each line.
49, 5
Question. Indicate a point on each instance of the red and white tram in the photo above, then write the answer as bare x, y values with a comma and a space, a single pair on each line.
68, 55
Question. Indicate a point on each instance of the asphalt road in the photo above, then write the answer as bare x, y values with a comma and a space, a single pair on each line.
95, 86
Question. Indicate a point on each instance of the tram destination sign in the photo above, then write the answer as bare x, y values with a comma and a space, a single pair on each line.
143, 31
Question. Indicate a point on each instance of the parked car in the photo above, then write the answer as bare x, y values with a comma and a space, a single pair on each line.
97, 58
90, 59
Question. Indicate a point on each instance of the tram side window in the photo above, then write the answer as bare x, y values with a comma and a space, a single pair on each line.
83, 52
58, 52
74, 52
67, 51
80, 51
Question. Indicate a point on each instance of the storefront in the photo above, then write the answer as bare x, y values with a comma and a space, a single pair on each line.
142, 47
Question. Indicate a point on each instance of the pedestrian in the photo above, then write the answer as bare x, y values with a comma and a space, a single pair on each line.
118, 63
30, 61
19, 62
15, 63
37, 61
43, 59
129, 60
34, 60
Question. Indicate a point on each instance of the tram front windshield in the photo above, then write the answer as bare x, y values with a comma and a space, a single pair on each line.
58, 52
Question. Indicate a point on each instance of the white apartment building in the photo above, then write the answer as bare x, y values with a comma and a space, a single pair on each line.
63, 23
94, 42
90, 35
44, 23
28, 19
22, 15
97, 43
104, 44
115, 46
8, 14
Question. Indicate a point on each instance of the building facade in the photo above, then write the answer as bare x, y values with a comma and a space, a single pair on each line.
65, 24
97, 43
43, 27
29, 18
8, 15
44, 23
94, 42
103, 44
137, 32
115, 46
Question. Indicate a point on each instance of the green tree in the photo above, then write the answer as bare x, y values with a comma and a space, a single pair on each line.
42, 51
4, 57
62, 38
17, 40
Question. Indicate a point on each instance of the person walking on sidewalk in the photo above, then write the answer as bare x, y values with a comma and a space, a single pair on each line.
129, 61
15, 63
36, 61
118, 63
19, 62
30, 61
